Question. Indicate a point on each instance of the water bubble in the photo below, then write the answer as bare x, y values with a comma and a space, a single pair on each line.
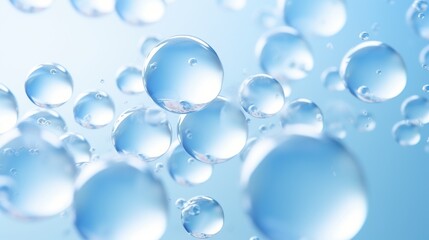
129, 80
94, 109
158, 167
94, 8
31, 6
284, 54
268, 18
365, 122
185, 170
424, 58
142, 132
235, 5
219, 132
302, 115
77, 146
330, 46
282, 173
263, 128
331, 79
42, 184
322, 17
46, 119
416, 18
120, 199
147, 44
49, 90
425, 88
8, 109
180, 203
169, 83
406, 133
364, 36
376, 68
261, 96
140, 12
202, 217
416, 108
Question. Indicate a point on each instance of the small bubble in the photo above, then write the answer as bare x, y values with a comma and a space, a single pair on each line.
53, 71
158, 167
263, 128
330, 46
378, 72
195, 210
102, 81
192, 62
180, 203
364, 36
13, 172
421, 15
153, 66
425, 88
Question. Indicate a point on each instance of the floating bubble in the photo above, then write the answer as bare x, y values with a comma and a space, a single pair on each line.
282, 176
140, 12
47, 120
425, 88
158, 167
406, 133
37, 174
268, 18
261, 96
214, 134
416, 18
143, 132
186, 170
373, 72
302, 115
31, 6
120, 199
169, 74
49, 85
94, 8
416, 109
147, 44
202, 217
322, 17
284, 54
8, 109
331, 79
94, 109
130, 80
77, 146
365, 122
424, 58
364, 36
235, 5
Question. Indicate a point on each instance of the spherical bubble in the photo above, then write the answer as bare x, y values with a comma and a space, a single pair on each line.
304, 187
186, 170
261, 96
47, 120
37, 173
8, 109
202, 217
183, 74
147, 44
49, 85
322, 17
94, 8
302, 115
284, 54
140, 12
406, 133
214, 134
364, 36
416, 108
373, 72
129, 80
232, 4
331, 79
424, 58
120, 199
77, 146
143, 132
416, 18
180, 203
94, 109
365, 122
425, 88
31, 6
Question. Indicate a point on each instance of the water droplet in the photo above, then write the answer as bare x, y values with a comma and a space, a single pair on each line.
302, 115
129, 80
416, 108
406, 133
331, 79
147, 44
47, 120
364, 36
93, 8
94, 109
31, 6
140, 12
77, 146
8, 109
168, 84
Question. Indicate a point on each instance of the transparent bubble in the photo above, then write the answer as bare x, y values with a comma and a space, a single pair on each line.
365, 122
49, 85
130, 80
143, 132
416, 108
47, 120
77, 146
37, 177
302, 115
232, 4
331, 79
261, 96
120, 199
180, 203
94, 109
246, 149
186, 170
147, 44
94, 8
425, 88
140, 12
219, 132
322, 17
304, 187
31, 6
158, 167
168, 74
268, 18
424, 58
284, 54
202, 217
416, 18
406, 133
364, 36
373, 72
8, 109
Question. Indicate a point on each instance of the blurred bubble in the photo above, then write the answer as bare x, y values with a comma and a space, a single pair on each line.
406, 133
232, 4
94, 8
302, 115
180, 203
140, 12
147, 44
364, 36
46, 119
94, 109
424, 58
130, 80
77, 146
425, 88
8, 109
31, 6
416, 109
365, 122
331, 79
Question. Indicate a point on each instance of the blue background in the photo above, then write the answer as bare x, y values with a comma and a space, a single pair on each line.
94, 48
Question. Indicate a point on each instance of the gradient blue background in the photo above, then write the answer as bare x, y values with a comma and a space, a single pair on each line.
93, 49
